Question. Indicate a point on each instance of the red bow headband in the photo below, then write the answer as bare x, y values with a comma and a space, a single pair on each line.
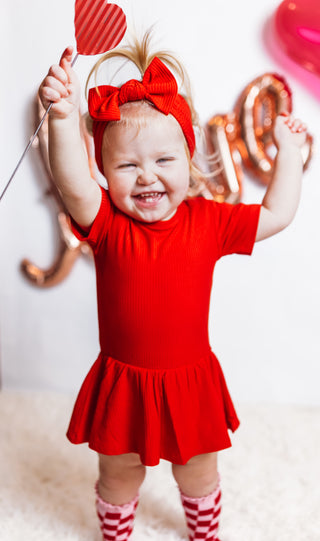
157, 86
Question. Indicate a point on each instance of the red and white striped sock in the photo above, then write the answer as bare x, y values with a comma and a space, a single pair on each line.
202, 515
116, 521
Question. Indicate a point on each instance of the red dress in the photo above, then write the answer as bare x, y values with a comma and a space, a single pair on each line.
156, 388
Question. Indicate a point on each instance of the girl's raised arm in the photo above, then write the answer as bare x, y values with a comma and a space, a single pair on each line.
68, 160
283, 193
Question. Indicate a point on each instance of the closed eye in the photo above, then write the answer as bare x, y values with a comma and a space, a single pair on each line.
126, 165
165, 159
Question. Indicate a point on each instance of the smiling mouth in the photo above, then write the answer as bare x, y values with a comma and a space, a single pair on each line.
150, 198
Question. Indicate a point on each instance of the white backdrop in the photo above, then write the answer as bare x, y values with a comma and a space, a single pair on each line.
264, 323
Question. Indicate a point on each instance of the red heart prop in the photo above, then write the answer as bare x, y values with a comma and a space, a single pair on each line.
297, 24
99, 26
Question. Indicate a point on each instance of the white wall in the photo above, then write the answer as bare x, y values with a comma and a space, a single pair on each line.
265, 313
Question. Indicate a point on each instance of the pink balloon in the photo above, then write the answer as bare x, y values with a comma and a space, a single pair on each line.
297, 25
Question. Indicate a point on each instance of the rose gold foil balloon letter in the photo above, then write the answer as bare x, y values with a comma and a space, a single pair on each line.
222, 134
243, 139
70, 247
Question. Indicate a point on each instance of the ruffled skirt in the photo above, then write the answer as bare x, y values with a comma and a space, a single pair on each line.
172, 414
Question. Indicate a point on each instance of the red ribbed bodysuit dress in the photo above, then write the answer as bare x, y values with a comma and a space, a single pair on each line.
156, 388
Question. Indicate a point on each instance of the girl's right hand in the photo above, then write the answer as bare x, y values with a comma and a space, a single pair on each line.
61, 87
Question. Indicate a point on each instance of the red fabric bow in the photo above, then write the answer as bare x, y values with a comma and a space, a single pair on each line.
157, 86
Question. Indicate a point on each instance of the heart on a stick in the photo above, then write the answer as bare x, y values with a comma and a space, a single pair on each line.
99, 26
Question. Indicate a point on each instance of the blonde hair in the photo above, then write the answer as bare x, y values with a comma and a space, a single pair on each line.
139, 53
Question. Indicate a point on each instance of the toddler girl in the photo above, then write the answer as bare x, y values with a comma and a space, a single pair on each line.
156, 389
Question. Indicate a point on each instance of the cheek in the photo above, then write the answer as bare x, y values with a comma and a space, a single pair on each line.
119, 197
115, 194
180, 191
117, 187
185, 179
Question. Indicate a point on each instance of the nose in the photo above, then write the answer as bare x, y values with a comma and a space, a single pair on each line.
146, 177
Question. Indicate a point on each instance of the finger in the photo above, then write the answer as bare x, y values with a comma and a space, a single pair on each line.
59, 74
55, 84
289, 122
295, 125
67, 55
284, 118
65, 63
49, 94
302, 128
299, 126
53, 89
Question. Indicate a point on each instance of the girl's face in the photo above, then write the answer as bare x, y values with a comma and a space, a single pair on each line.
146, 167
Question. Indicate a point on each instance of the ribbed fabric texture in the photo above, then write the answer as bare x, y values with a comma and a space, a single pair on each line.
116, 521
154, 280
202, 515
157, 389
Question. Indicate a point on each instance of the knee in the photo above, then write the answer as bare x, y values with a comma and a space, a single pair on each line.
114, 471
198, 477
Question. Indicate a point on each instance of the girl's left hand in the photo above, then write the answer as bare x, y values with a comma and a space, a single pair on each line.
289, 131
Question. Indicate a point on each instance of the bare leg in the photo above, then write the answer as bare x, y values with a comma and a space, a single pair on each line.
199, 485
199, 477
120, 477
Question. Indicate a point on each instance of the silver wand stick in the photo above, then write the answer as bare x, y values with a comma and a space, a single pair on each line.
32, 138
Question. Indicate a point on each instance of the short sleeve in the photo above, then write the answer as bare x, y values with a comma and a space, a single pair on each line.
98, 230
236, 227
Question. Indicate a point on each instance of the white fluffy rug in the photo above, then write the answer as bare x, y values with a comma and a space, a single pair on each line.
270, 478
